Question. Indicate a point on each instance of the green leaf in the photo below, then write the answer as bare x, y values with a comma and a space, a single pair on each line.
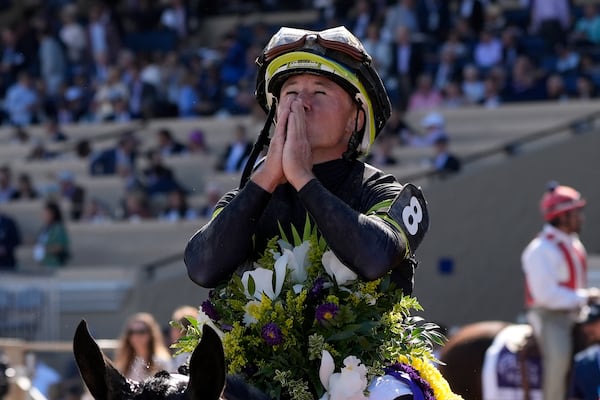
251, 285
296, 235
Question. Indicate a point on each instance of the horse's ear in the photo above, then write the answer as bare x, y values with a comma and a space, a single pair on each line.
98, 373
207, 367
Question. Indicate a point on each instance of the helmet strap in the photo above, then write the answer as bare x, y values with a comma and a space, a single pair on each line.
357, 136
261, 142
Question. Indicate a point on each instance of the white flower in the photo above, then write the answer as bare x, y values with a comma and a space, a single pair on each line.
250, 309
262, 280
348, 384
296, 260
336, 269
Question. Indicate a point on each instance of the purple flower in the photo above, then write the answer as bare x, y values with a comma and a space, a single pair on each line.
326, 312
395, 370
210, 310
272, 334
317, 288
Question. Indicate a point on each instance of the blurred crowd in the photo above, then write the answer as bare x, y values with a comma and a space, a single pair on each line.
78, 61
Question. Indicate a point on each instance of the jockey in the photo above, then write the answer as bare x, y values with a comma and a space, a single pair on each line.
328, 104
554, 264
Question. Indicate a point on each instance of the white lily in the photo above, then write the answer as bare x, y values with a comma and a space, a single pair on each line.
296, 259
336, 269
348, 384
263, 282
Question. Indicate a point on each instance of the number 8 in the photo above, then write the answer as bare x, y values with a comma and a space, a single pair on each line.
412, 214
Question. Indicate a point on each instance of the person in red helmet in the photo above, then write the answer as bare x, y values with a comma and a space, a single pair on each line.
554, 263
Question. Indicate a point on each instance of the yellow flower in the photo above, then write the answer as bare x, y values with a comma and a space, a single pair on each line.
441, 388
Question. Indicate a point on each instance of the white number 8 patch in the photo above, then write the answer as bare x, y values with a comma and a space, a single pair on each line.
412, 214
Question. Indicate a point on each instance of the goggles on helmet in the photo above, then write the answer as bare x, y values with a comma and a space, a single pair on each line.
337, 39
335, 53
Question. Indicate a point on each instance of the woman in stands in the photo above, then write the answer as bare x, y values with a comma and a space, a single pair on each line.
52, 246
142, 351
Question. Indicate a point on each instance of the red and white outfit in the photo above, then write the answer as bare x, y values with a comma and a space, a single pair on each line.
555, 270
555, 277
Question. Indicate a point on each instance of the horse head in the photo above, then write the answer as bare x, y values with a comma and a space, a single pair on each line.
205, 382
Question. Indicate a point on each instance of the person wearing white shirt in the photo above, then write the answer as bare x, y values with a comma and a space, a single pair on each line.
554, 264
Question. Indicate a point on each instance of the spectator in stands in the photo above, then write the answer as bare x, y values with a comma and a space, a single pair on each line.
175, 18
167, 145
434, 18
143, 96
73, 36
118, 160
95, 212
525, 83
236, 153
83, 149
408, 61
22, 101
444, 162
488, 50
453, 96
567, 59
187, 97
136, 206
109, 91
53, 66
585, 88
52, 247
179, 317
39, 151
360, 16
550, 19
178, 208
7, 190
447, 70
382, 153
120, 111
12, 59
73, 193
196, 143
158, 178
19, 136
425, 97
555, 88
53, 132
141, 351
454, 45
473, 12
511, 45
491, 94
587, 27
472, 86
378, 49
25, 189
434, 125
402, 13
10, 239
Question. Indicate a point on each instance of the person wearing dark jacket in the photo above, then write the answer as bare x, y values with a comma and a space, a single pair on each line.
10, 239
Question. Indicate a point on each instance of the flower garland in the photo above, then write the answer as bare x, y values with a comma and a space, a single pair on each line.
286, 324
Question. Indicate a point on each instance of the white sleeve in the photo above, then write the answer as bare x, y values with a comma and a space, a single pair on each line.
541, 266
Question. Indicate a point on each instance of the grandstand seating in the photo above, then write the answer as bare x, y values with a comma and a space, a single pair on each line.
123, 246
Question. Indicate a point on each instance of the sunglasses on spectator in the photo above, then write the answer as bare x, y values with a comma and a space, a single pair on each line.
138, 331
